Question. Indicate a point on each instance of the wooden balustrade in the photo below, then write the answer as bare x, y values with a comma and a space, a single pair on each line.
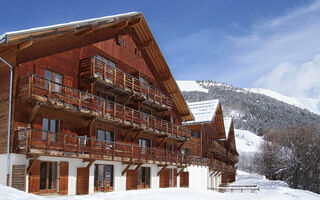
217, 165
217, 148
232, 157
28, 140
41, 89
107, 71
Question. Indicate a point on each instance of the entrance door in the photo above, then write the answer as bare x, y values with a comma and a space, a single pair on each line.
48, 177
131, 180
82, 180
103, 178
144, 177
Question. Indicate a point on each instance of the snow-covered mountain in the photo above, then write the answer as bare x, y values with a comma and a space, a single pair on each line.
254, 109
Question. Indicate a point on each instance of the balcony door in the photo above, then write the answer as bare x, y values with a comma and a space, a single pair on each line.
48, 177
55, 77
145, 144
105, 136
50, 126
103, 178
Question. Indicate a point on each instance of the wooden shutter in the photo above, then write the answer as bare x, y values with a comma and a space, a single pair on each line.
63, 181
19, 177
34, 178
83, 180
184, 179
164, 178
132, 180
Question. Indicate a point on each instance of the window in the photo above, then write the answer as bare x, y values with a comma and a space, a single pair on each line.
171, 147
145, 144
185, 151
103, 177
51, 126
195, 134
55, 77
171, 177
123, 42
48, 176
107, 136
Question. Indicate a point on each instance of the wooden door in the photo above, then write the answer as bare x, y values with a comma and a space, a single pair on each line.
184, 179
19, 177
132, 180
63, 181
83, 180
34, 178
164, 178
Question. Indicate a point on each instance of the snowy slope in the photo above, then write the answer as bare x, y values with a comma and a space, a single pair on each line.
247, 141
269, 190
191, 86
305, 103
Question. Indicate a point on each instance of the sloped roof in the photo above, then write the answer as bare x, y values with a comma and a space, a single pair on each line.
227, 125
43, 41
203, 111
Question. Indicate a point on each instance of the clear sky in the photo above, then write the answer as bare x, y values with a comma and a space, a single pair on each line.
273, 44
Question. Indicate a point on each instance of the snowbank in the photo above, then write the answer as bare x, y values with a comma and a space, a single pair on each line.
247, 141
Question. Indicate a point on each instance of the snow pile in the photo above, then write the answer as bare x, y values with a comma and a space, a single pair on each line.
269, 190
247, 141
312, 105
189, 86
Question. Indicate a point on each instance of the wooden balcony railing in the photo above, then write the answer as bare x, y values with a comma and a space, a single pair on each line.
107, 71
40, 89
217, 165
217, 148
230, 168
232, 157
52, 143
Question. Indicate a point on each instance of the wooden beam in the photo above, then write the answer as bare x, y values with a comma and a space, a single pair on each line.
146, 44
32, 164
33, 113
25, 45
91, 129
212, 173
163, 168
181, 145
138, 166
128, 100
162, 141
180, 171
137, 135
125, 170
127, 134
90, 164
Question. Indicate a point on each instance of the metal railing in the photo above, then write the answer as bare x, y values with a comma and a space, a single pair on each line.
41, 89
99, 67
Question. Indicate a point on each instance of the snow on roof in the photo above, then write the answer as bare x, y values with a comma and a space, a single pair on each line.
227, 124
203, 111
74, 23
189, 86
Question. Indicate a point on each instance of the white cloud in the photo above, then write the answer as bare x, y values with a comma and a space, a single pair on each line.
299, 80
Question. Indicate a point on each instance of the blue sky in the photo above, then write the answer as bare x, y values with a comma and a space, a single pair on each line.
249, 43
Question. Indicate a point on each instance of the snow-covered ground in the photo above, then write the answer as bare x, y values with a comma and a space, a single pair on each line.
269, 190
247, 141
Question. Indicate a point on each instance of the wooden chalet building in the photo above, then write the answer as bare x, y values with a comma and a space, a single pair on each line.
213, 139
94, 108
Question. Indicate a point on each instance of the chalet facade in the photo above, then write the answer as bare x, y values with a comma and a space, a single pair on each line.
94, 108
213, 139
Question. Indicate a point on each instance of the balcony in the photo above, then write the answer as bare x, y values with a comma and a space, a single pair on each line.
217, 165
39, 89
98, 68
217, 148
31, 141
231, 168
231, 157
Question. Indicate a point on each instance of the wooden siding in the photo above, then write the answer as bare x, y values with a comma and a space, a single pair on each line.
4, 109
82, 180
19, 177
